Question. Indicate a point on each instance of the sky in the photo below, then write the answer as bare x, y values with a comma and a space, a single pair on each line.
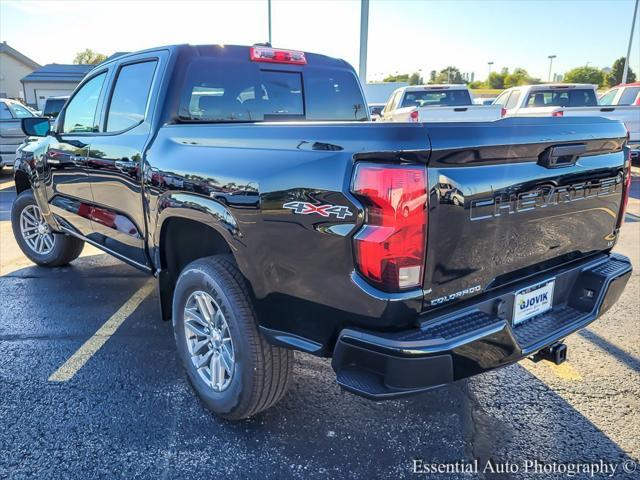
404, 36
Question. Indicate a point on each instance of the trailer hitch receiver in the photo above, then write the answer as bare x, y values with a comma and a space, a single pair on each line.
556, 353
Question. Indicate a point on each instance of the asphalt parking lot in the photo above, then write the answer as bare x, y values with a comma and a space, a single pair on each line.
127, 411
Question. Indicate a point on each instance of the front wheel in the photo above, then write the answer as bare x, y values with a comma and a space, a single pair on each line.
233, 369
35, 238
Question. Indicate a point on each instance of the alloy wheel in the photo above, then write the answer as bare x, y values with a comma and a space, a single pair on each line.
209, 340
35, 231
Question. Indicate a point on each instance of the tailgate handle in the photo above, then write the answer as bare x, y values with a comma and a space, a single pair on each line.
561, 155
460, 109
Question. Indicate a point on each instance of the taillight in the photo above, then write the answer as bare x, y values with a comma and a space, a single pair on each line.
390, 248
414, 116
626, 188
503, 112
558, 113
276, 55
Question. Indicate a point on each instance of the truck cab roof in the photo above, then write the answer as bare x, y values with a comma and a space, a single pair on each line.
241, 51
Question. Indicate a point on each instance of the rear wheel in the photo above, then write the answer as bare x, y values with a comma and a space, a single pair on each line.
235, 372
36, 240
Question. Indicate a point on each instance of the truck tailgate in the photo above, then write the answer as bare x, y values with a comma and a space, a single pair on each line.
627, 114
467, 113
500, 210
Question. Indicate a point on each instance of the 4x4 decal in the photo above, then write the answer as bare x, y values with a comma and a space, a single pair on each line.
306, 208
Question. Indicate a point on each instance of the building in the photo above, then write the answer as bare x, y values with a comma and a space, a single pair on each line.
381, 91
52, 80
13, 67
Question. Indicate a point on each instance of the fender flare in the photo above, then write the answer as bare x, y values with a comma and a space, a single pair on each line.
25, 170
22, 170
200, 209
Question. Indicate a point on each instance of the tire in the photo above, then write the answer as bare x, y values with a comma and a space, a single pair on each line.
57, 248
261, 372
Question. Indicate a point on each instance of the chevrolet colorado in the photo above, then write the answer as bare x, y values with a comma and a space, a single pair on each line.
276, 217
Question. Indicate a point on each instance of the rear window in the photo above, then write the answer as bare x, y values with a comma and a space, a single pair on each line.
53, 106
447, 98
573, 97
223, 92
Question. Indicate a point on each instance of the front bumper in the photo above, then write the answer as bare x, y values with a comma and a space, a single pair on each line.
7, 159
478, 337
635, 152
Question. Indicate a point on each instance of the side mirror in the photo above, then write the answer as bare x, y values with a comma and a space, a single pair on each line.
35, 126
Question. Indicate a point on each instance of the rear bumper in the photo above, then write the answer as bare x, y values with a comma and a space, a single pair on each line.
479, 337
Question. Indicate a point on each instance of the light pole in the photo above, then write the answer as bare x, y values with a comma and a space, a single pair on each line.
490, 64
550, 57
626, 60
364, 35
269, 9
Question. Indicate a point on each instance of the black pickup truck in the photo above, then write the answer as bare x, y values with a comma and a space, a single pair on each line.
276, 217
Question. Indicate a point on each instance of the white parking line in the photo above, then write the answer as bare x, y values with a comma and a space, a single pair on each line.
91, 346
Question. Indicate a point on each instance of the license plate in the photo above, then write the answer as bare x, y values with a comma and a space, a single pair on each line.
533, 301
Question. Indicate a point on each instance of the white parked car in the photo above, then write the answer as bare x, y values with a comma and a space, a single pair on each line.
436, 103
576, 100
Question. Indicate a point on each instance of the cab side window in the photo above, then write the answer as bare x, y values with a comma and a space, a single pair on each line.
5, 113
80, 114
607, 98
130, 94
629, 95
502, 99
513, 100
391, 103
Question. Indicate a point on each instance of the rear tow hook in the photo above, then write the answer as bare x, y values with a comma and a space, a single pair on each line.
556, 353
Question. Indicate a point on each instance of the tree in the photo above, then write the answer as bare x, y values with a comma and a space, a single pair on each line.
496, 80
476, 84
88, 56
615, 76
584, 74
415, 79
449, 75
404, 77
519, 77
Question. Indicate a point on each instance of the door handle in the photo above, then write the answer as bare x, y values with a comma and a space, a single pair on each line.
122, 165
61, 161
561, 155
